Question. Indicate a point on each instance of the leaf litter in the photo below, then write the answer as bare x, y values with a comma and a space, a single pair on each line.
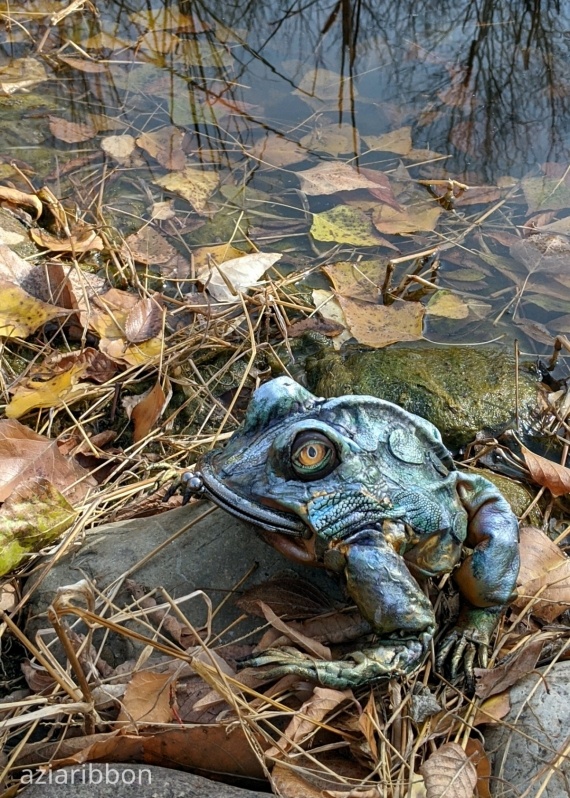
139, 342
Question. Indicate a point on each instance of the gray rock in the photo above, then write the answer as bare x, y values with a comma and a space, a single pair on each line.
112, 780
531, 740
214, 555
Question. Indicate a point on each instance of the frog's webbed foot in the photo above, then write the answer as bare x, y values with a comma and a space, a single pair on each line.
467, 644
389, 658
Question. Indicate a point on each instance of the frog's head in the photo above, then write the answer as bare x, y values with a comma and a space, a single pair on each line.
300, 464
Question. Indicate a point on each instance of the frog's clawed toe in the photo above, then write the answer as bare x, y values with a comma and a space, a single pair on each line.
189, 484
467, 646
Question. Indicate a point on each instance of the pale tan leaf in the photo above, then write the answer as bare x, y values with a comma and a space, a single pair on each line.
70, 132
194, 184
397, 141
119, 147
21, 74
417, 218
497, 680
206, 257
83, 240
448, 772
476, 753
20, 198
313, 647
13, 268
148, 246
382, 325
278, 151
544, 573
147, 700
333, 176
165, 144
547, 473
329, 308
362, 280
239, 273
143, 321
290, 784
332, 139
83, 64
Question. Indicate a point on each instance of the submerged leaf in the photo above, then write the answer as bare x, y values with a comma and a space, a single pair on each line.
447, 305
397, 141
70, 132
546, 192
344, 225
419, 217
333, 176
332, 139
382, 325
193, 184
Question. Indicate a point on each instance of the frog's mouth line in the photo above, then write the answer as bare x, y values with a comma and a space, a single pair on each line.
238, 506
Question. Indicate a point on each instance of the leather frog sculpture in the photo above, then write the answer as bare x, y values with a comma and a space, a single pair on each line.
377, 486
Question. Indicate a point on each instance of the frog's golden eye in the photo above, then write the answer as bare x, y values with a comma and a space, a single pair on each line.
313, 456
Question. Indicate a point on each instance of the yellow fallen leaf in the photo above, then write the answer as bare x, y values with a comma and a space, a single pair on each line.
193, 184
45, 393
21, 314
382, 325
344, 225
217, 253
134, 354
398, 141
447, 305
33, 516
417, 218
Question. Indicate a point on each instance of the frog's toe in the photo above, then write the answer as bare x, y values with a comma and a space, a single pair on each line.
460, 651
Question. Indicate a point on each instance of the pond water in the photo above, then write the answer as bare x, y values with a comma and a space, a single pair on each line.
249, 95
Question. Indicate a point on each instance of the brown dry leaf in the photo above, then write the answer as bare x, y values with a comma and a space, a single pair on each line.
241, 273
476, 753
147, 700
448, 772
308, 718
33, 516
82, 239
332, 139
70, 132
21, 199
447, 305
147, 410
369, 724
417, 218
382, 325
397, 141
544, 572
362, 280
329, 308
24, 454
313, 647
21, 314
21, 74
493, 710
165, 144
219, 747
547, 473
144, 321
277, 150
83, 64
148, 246
119, 147
496, 680
325, 327
193, 184
289, 596
331, 177
290, 784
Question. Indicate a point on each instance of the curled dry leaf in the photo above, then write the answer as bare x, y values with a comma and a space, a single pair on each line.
34, 515
545, 573
148, 409
547, 473
448, 771
21, 199
239, 274
309, 717
82, 239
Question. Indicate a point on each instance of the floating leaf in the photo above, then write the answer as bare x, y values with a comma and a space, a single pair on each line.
21, 74
382, 325
448, 772
194, 184
447, 305
70, 132
278, 151
417, 218
346, 226
546, 192
332, 139
547, 473
21, 314
332, 177
119, 147
239, 273
398, 141
32, 517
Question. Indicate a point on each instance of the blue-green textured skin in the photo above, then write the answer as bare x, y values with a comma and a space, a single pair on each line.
392, 512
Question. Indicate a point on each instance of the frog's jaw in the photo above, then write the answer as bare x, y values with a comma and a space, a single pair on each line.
237, 505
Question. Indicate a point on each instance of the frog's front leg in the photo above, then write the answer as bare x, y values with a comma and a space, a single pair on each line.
486, 579
390, 599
